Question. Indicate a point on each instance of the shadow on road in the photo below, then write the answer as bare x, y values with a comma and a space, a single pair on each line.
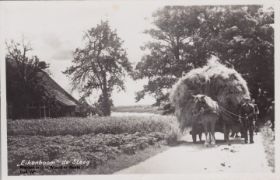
200, 144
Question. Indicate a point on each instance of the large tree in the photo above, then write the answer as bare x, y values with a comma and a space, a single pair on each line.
100, 65
176, 48
24, 85
245, 40
184, 37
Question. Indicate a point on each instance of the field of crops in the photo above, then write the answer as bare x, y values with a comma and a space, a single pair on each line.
80, 126
96, 140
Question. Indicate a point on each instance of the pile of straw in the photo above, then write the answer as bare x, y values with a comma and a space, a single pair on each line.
224, 85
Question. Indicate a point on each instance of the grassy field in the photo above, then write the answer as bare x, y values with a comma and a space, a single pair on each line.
269, 145
137, 109
101, 141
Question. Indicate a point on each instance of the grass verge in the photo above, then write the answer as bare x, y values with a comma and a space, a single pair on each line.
269, 145
125, 161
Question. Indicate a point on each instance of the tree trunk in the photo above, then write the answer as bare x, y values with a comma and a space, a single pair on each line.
106, 105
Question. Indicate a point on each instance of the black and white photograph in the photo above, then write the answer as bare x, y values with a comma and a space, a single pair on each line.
132, 87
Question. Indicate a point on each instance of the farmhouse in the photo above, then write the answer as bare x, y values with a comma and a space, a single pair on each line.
63, 103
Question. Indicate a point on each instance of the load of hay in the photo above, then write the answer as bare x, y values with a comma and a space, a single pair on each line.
224, 85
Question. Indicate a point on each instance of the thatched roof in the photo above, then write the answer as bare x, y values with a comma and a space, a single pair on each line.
224, 85
59, 93
53, 87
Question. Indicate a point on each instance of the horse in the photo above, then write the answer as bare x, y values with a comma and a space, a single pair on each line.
206, 112
197, 129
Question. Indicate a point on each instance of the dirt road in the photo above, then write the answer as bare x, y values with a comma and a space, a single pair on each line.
195, 158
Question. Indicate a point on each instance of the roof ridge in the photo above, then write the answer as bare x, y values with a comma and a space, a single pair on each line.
60, 88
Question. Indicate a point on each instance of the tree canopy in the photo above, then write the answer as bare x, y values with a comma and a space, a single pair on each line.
24, 86
185, 37
100, 65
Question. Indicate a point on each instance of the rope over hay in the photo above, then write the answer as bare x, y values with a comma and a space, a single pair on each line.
224, 85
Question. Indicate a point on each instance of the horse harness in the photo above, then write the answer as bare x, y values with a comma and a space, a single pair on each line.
247, 111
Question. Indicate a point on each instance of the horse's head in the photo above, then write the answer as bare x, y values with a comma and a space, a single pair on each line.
199, 102
203, 102
199, 98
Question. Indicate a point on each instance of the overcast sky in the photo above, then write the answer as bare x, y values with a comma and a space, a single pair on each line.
55, 29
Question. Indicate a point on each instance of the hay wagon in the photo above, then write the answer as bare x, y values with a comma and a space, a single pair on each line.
223, 84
